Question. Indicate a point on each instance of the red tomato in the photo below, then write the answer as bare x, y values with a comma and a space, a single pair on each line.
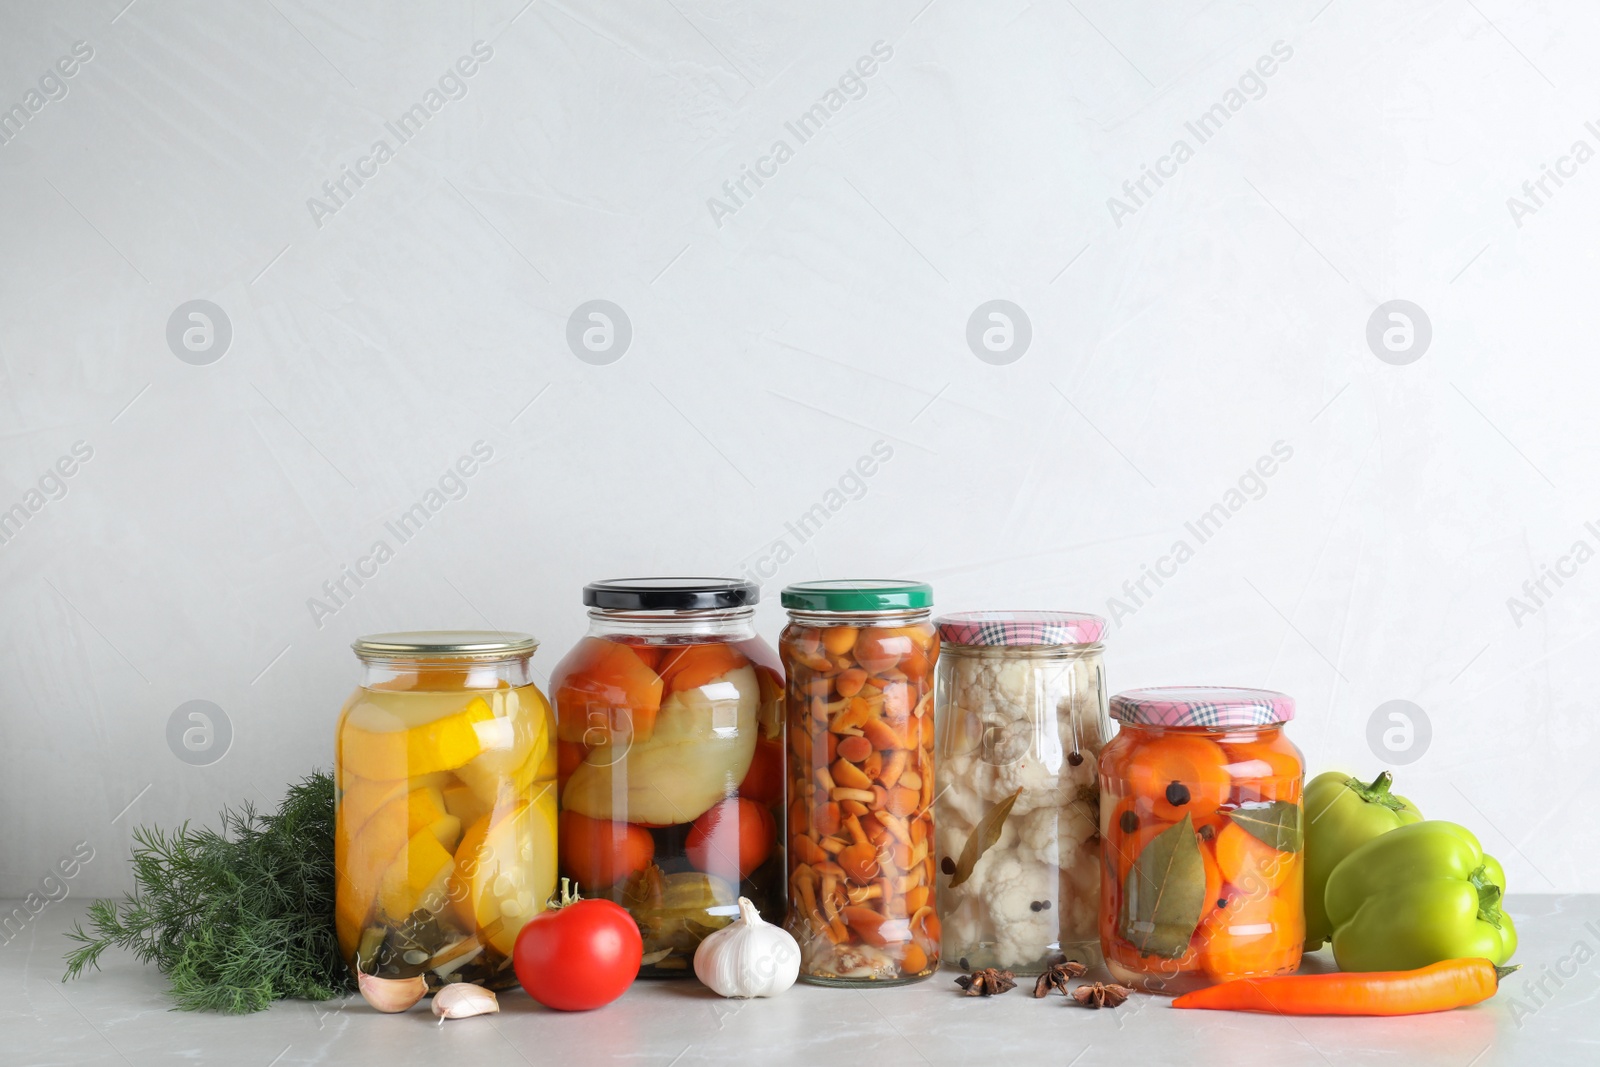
732, 839
763, 783
599, 853
578, 957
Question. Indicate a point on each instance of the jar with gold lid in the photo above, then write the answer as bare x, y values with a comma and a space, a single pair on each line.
445, 835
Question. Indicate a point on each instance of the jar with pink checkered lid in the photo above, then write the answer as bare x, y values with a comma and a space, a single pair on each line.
1020, 702
1202, 822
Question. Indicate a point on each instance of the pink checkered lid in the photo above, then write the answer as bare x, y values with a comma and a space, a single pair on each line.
1202, 705
1020, 628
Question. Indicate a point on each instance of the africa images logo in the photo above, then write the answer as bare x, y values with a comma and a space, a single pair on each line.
452, 85
852, 85
1251, 85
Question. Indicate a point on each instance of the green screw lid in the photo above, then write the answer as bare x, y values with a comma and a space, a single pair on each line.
858, 594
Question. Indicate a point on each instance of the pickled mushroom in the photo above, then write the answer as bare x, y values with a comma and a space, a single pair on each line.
699, 751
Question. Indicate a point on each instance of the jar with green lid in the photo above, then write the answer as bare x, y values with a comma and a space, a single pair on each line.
859, 659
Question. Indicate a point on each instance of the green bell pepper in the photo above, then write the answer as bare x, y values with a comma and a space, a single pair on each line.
1417, 895
1341, 814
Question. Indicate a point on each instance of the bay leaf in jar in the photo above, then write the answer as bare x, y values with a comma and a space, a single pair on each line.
1273, 822
983, 838
1165, 893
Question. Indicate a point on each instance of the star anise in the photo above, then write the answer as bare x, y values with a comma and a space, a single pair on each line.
1057, 975
987, 982
1101, 994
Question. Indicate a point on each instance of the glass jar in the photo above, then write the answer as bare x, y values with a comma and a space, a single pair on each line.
860, 657
669, 723
1021, 705
445, 826
1201, 815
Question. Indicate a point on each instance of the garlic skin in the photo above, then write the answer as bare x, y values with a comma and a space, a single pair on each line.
462, 1000
392, 995
749, 957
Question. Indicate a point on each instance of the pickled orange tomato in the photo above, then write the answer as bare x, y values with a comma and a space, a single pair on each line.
1266, 768
736, 835
1250, 865
1180, 773
1124, 953
599, 853
1250, 935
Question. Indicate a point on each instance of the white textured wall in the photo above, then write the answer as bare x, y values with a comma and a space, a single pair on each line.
1176, 339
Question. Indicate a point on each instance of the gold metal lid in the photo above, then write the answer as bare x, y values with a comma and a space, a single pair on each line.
446, 644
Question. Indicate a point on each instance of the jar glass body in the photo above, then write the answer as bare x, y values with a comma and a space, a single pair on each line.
445, 826
669, 729
1022, 725
1240, 789
861, 786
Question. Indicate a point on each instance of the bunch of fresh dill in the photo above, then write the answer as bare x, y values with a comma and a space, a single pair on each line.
235, 919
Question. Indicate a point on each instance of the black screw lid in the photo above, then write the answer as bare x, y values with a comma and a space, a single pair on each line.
670, 594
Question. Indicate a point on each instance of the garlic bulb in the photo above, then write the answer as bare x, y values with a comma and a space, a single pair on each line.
392, 995
749, 957
461, 1000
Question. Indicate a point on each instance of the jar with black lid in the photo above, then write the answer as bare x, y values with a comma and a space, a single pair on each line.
668, 725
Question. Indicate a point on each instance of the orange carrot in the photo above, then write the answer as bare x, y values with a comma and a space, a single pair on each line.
1439, 987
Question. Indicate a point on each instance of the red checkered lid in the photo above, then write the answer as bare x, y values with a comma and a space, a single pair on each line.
1020, 628
1202, 705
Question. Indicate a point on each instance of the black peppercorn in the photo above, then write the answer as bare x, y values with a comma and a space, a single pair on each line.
1075, 758
1177, 794
1129, 822
948, 866
1037, 905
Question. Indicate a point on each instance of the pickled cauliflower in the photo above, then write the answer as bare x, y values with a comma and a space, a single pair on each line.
1017, 723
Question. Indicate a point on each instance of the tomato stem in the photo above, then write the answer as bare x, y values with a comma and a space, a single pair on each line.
569, 895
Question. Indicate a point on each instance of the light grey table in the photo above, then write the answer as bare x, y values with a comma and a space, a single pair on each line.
1548, 1013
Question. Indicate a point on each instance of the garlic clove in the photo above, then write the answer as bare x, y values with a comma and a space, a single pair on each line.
462, 1000
392, 995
